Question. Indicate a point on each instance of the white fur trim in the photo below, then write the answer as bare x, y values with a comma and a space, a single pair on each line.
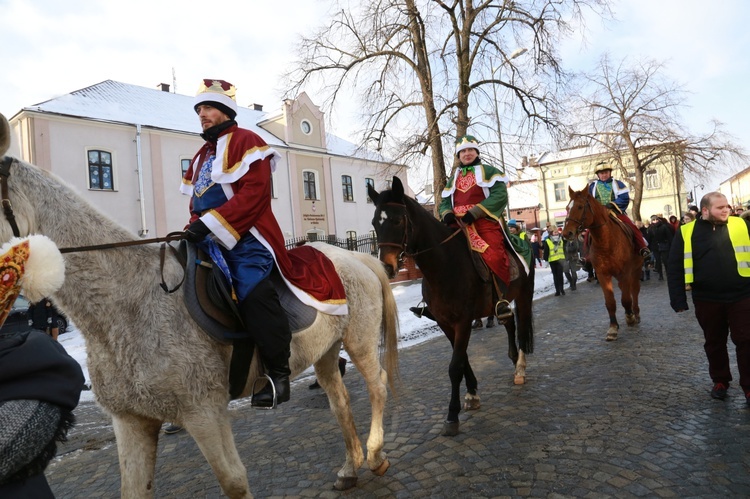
44, 271
216, 97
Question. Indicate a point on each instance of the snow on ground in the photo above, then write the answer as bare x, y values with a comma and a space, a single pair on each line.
413, 330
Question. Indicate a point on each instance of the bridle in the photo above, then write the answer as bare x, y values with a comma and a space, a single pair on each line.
581, 222
403, 245
5, 165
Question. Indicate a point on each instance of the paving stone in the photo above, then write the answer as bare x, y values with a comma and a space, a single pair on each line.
630, 418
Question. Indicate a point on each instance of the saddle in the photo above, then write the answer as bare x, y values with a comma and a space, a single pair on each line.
208, 297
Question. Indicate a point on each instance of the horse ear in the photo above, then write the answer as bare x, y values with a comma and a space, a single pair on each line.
372, 194
397, 188
571, 191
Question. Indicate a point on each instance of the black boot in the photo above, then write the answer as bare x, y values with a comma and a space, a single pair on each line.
490, 321
268, 325
279, 372
422, 312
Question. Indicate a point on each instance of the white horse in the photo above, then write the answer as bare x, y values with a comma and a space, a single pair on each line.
150, 363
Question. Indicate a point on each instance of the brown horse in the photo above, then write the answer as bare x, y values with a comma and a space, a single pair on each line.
452, 288
612, 254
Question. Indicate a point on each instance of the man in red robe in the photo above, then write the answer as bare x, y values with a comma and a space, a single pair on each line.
229, 181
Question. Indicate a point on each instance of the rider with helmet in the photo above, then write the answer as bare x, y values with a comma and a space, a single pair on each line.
615, 195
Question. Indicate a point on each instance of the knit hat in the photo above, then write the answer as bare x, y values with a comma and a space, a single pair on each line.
219, 94
467, 142
602, 166
512, 223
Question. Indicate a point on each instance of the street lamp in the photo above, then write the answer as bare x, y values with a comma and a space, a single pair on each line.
516, 53
513, 55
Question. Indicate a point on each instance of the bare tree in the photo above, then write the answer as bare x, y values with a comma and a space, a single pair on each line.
421, 68
631, 111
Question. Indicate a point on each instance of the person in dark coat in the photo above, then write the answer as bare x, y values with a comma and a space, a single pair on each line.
660, 237
43, 316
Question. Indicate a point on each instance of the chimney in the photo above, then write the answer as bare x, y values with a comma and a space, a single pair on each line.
257, 107
164, 87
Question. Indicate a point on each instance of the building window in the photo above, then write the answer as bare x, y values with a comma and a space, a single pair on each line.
306, 127
315, 235
309, 180
100, 170
346, 185
652, 180
560, 191
185, 164
369, 182
388, 185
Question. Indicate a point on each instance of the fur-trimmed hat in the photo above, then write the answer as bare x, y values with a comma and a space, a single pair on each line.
602, 166
219, 94
467, 142
33, 263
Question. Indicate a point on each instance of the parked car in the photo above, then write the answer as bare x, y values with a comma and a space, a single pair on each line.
18, 318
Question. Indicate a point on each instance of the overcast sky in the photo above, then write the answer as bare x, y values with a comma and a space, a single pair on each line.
49, 48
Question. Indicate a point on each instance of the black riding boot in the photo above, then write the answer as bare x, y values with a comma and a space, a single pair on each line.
268, 325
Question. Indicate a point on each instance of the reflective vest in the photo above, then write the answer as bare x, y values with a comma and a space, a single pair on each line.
740, 242
522, 235
556, 253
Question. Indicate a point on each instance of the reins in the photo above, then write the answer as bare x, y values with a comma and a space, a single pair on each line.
580, 223
5, 165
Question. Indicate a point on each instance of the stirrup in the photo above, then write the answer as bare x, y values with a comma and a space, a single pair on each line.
419, 309
252, 394
501, 318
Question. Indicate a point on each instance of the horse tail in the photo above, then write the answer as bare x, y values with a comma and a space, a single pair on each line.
389, 345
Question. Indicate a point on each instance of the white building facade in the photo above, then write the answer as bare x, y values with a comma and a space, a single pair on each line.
125, 148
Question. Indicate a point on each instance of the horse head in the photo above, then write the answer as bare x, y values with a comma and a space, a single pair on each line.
581, 213
390, 222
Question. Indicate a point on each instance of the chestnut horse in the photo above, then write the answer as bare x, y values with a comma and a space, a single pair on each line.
452, 288
611, 252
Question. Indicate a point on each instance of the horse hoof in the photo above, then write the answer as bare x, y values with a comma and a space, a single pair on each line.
345, 483
380, 470
519, 380
471, 402
630, 320
450, 429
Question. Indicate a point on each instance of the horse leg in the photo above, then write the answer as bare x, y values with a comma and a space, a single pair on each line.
136, 448
626, 298
456, 372
471, 399
376, 378
212, 432
329, 377
605, 281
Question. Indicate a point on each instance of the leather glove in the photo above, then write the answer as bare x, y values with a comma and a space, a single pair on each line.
196, 232
449, 218
468, 218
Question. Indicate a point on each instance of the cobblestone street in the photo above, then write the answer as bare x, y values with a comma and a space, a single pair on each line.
631, 418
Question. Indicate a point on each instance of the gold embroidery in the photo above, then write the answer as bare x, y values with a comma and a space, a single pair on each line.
225, 224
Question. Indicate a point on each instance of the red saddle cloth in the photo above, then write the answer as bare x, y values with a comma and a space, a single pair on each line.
312, 272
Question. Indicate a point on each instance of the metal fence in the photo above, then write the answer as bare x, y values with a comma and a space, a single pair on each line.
362, 244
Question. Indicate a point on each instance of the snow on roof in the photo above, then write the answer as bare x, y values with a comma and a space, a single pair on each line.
118, 102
